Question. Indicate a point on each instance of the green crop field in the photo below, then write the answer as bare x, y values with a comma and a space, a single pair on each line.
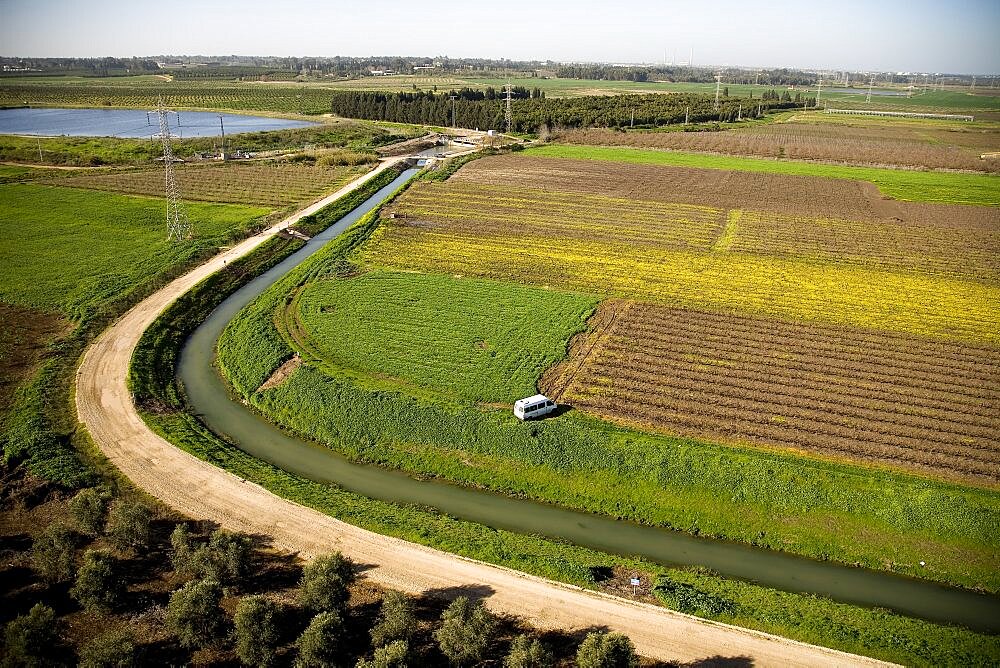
72, 250
476, 340
905, 185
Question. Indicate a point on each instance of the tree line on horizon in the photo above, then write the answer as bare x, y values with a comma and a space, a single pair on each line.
531, 112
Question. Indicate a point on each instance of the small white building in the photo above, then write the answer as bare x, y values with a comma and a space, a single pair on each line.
533, 407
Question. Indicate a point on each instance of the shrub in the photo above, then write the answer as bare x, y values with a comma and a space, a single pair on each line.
320, 644
393, 655
89, 508
326, 582
97, 586
52, 553
114, 649
129, 524
396, 619
194, 613
257, 634
33, 639
527, 652
466, 631
607, 650
685, 598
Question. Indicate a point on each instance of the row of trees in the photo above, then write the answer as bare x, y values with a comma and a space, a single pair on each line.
684, 73
533, 113
315, 625
98, 67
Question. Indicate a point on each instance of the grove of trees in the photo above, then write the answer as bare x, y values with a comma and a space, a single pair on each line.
531, 110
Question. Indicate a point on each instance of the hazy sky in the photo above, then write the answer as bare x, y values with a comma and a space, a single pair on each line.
898, 35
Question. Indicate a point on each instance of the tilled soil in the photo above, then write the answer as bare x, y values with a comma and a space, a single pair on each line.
893, 399
893, 146
781, 193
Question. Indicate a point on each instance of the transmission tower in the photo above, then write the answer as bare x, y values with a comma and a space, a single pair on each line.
871, 84
178, 224
718, 85
508, 114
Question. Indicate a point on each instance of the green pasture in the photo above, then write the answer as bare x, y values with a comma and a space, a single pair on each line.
73, 250
470, 339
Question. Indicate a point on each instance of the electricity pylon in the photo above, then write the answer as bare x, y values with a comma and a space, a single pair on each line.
179, 225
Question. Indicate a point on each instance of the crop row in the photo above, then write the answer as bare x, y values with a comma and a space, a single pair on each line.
713, 375
876, 243
506, 212
854, 359
271, 185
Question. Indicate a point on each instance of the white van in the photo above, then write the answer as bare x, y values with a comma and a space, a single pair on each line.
533, 407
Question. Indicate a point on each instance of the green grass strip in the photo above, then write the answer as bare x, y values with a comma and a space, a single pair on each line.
900, 184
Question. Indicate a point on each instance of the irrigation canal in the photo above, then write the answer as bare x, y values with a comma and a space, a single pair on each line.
258, 437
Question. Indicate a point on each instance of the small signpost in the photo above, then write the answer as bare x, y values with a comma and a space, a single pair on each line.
635, 582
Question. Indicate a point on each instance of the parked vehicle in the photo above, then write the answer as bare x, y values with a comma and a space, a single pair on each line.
533, 407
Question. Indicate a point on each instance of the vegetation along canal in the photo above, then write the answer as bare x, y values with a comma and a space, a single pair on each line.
208, 394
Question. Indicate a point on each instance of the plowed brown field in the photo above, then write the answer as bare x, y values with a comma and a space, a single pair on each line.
907, 146
780, 193
886, 398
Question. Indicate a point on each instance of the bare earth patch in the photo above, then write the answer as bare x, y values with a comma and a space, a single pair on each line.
281, 374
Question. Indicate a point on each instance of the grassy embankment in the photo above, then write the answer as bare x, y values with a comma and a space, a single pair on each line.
905, 185
807, 618
80, 258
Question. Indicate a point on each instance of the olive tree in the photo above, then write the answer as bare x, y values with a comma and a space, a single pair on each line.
466, 631
181, 548
53, 553
194, 613
257, 633
607, 650
33, 639
129, 524
527, 652
113, 649
89, 508
326, 582
393, 655
396, 620
97, 585
321, 644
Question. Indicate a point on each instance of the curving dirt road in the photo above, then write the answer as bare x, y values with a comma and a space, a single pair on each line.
200, 490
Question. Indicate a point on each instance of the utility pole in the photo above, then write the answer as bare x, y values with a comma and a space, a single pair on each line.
871, 84
40, 159
223, 127
631, 123
739, 114
687, 114
452, 97
178, 224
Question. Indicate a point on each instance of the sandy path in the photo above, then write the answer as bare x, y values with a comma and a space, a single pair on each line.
200, 490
